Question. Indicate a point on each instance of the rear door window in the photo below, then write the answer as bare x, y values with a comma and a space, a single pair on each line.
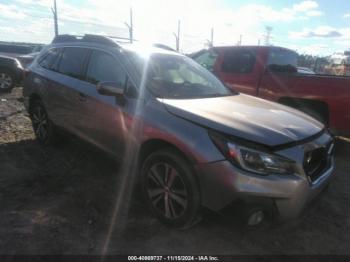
72, 62
282, 60
282, 57
238, 61
104, 67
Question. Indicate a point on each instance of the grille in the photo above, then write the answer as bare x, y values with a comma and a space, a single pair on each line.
316, 160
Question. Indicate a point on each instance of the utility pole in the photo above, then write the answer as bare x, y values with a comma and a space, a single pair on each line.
239, 42
259, 41
177, 36
210, 41
54, 11
268, 35
130, 26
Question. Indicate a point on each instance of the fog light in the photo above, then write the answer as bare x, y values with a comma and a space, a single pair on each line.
256, 218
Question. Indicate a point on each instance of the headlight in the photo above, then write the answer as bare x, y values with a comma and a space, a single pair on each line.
251, 159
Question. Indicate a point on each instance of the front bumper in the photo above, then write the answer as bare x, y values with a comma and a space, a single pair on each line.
222, 183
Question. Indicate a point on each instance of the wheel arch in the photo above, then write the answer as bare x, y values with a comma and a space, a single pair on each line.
154, 144
315, 106
191, 214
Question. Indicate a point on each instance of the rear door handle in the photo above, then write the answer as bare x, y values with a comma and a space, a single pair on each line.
82, 97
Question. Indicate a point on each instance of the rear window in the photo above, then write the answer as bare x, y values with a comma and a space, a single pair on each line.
72, 61
239, 61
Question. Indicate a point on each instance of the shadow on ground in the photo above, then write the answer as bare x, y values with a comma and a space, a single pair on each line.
59, 200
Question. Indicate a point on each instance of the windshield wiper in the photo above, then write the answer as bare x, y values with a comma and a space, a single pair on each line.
218, 95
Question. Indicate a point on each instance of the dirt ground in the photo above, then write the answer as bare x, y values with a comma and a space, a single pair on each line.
60, 200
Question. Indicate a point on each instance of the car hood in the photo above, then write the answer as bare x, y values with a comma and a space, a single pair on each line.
247, 117
6, 57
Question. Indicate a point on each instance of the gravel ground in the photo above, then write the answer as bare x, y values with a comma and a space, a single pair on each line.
60, 200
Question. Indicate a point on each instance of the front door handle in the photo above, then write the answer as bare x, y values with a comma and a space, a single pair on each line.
82, 97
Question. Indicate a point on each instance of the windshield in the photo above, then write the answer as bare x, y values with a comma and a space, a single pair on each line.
179, 77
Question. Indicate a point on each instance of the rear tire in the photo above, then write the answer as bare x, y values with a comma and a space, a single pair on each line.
7, 80
170, 188
44, 130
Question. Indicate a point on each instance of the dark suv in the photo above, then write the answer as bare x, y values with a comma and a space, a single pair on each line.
194, 142
11, 73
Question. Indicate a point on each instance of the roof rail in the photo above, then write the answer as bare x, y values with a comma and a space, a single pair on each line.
99, 39
165, 47
118, 38
64, 38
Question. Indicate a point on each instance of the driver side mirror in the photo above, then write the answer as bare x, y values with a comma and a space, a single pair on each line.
110, 89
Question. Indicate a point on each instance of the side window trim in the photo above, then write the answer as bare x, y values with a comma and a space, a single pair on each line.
41, 59
86, 65
57, 61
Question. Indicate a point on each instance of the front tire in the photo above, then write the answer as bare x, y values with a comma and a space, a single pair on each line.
44, 129
170, 188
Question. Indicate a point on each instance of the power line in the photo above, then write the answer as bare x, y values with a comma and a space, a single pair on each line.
268, 34
240, 40
212, 37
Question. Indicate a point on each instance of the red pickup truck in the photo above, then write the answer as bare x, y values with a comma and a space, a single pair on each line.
271, 73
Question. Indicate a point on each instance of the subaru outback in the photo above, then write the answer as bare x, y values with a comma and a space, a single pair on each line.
199, 144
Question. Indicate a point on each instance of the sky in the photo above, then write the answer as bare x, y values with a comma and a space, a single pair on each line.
317, 27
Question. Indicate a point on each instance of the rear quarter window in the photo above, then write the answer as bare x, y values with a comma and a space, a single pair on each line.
49, 58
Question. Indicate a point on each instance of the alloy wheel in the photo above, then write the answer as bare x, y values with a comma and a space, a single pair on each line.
5, 81
40, 123
166, 190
